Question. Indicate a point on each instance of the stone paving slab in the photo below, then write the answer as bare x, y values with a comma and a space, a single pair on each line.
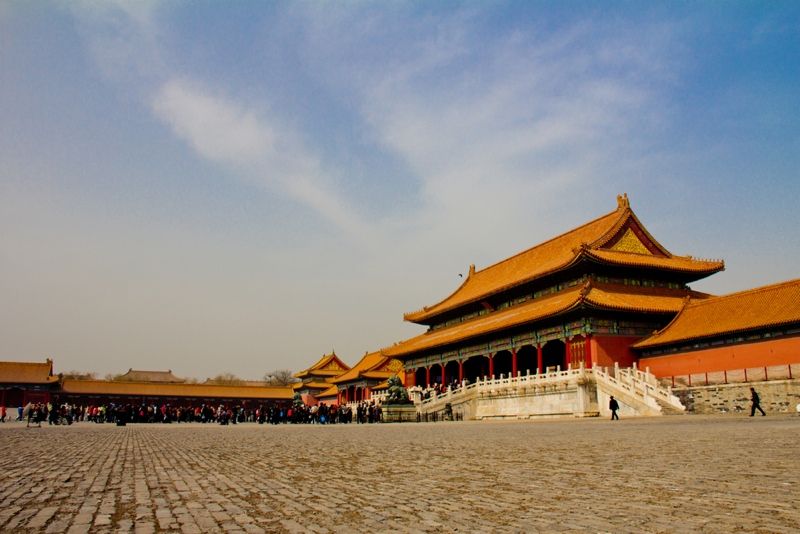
669, 474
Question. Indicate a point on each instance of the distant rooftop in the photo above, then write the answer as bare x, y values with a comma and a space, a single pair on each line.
162, 377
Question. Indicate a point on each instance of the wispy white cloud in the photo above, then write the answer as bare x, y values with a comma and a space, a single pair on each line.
125, 38
499, 133
216, 129
498, 128
270, 155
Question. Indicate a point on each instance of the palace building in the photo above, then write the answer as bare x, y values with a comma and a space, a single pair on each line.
316, 382
31, 382
24, 382
757, 330
601, 310
370, 374
582, 298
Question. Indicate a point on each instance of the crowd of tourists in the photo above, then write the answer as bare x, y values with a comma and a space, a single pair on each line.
266, 413
37, 413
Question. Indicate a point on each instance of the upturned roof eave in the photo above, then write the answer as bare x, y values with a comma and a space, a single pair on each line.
706, 314
700, 270
589, 296
574, 260
644, 345
622, 213
390, 351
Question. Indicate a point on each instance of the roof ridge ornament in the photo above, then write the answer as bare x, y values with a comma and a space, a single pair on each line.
586, 289
580, 248
622, 201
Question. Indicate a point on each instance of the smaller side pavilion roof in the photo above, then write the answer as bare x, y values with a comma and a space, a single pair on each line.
329, 365
135, 375
617, 238
374, 365
330, 393
592, 295
313, 384
150, 389
754, 309
27, 372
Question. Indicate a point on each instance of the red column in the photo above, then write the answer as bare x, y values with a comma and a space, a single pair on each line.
514, 362
491, 365
567, 353
427, 377
460, 371
588, 352
539, 358
444, 378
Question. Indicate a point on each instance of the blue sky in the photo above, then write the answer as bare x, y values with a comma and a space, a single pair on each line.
242, 187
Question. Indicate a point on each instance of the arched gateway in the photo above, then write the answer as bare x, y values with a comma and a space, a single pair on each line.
580, 299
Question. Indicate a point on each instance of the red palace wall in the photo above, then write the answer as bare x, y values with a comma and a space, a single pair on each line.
726, 358
607, 350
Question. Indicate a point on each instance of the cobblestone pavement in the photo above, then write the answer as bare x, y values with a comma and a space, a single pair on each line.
669, 474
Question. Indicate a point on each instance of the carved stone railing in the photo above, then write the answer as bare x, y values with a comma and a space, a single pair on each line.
498, 386
639, 388
639, 385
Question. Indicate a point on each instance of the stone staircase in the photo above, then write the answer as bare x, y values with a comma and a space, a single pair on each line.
637, 389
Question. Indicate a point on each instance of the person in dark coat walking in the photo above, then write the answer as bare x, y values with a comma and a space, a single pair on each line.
613, 405
754, 398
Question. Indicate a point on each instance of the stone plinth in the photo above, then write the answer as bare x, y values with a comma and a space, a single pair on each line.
399, 413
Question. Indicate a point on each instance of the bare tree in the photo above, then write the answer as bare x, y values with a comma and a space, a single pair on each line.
225, 379
280, 377
79, 375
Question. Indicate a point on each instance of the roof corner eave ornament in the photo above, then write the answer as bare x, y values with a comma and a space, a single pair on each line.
622, 201
586, 289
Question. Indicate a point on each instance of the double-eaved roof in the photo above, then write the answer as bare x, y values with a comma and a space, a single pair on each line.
774, 306
372, 366
617, 238
328, 366
592, 294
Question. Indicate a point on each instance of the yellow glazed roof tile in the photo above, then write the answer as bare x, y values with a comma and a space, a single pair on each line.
137, 375
313, 384
328, 393
329, 365
547, 257
674, 263
150, 389
604, 296
522, 313
27, 373
764, 307
374, 365
639, 299
566, 249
